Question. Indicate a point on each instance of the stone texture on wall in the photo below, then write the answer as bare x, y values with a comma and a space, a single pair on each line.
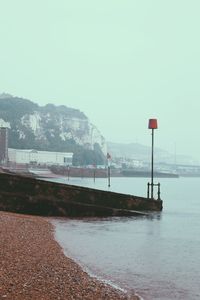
29, 195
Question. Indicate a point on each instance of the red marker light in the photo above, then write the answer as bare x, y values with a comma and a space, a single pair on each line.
153, 124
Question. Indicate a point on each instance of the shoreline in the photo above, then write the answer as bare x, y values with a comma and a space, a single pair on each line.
34, 266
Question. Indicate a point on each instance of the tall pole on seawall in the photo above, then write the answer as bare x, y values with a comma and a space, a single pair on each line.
152, 153
152, 125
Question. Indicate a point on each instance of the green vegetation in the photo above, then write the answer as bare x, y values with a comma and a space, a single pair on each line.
17, 112
88, 157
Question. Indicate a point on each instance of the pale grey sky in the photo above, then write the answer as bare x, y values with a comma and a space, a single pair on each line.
119, 61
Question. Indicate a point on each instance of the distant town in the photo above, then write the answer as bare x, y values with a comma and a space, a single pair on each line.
61, 162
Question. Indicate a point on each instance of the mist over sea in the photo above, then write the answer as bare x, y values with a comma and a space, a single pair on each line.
157, 256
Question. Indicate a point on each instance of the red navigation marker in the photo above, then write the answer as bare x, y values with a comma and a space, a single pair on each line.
153, 124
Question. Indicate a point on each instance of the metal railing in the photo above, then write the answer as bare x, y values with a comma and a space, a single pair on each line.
148, 190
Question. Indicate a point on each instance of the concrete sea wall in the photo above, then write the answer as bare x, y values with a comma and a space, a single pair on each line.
29, 195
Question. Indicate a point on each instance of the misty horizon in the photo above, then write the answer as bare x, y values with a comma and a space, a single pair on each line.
180, 158
121, 63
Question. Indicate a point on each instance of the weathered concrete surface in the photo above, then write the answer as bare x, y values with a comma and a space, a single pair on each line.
28, 195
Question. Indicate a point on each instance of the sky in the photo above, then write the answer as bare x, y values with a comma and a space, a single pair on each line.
121, 62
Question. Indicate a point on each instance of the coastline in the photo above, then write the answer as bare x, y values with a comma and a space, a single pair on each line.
33, 264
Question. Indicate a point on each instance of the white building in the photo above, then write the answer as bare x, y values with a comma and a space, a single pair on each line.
39, 157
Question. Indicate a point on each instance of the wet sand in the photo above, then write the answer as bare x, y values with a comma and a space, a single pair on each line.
33, 265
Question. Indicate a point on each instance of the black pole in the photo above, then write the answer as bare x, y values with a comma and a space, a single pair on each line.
158, 191
152, 150
94, 174
108, 176
147, 190
68, 170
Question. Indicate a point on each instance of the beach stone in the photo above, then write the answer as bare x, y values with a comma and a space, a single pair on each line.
33, 265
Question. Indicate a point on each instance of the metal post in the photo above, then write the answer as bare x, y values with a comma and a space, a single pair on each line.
108, 176
94, 174
152, 150
108, 164
148, 190
68, 170
158, 191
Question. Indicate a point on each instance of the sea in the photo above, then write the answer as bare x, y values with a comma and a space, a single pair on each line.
155, 256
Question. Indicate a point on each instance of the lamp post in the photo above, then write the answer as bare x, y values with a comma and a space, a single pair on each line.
152, 125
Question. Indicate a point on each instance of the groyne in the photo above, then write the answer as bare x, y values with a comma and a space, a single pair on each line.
23, 194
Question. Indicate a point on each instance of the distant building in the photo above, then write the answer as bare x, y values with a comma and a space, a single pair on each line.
3, 145
35, 157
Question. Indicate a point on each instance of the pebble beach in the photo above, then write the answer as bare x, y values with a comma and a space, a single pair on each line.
33, 265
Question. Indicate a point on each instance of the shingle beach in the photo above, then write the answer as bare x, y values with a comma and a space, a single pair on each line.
33, 265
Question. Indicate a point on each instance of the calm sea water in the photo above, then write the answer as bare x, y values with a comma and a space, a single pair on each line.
158, 257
